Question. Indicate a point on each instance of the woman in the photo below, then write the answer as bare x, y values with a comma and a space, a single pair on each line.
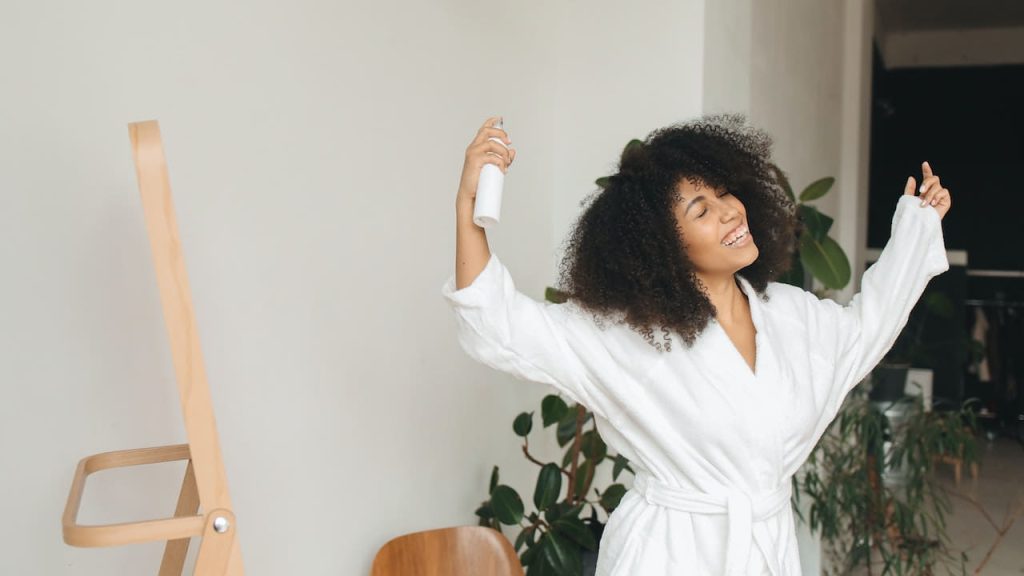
719, 410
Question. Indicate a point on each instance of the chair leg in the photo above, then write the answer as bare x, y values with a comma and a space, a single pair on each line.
173, 563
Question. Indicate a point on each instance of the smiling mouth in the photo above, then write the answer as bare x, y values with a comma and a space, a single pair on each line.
739, 240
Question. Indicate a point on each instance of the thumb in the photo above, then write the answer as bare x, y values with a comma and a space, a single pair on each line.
909, 188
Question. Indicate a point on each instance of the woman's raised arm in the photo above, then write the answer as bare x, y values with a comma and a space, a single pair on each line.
471, 250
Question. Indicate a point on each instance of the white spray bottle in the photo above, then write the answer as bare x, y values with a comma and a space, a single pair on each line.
487, 208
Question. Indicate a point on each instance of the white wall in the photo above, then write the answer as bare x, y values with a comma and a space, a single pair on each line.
314, 151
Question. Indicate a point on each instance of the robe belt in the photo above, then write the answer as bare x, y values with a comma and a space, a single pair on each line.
742, 509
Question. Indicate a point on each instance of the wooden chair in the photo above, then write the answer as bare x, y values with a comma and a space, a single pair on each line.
456, 551
204, 507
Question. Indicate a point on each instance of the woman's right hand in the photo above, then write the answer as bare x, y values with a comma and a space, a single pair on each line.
481, 151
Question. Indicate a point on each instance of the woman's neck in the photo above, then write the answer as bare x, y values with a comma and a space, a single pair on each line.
727, 297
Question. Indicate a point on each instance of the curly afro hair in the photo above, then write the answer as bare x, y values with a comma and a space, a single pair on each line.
625, 257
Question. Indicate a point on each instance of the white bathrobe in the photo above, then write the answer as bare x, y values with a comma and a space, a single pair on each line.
714, 444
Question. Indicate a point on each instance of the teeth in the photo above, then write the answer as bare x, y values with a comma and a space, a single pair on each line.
743, 232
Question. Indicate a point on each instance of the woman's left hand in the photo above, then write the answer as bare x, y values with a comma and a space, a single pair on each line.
931, 191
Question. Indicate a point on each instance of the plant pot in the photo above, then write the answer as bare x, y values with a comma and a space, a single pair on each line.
589, 563
888, 382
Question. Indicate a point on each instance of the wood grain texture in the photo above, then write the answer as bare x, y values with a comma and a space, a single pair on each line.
455, 551
204, 486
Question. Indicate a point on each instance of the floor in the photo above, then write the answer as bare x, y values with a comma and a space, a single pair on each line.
999, 489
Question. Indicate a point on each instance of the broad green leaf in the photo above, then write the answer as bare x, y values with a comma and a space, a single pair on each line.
575, 530
817, 224
507, 505
523, 424
593, 447
552, 409
817, 189
621, 463
564, 556
582, 484
566, 427
825, 260
549, 486
611, 497
533, 552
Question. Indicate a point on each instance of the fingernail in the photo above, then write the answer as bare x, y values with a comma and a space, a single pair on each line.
921, 189
934, 201
923, 202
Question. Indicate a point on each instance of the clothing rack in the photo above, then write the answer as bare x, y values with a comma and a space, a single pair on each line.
996, 302
996, 273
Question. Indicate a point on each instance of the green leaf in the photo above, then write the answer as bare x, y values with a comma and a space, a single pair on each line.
521, 539
564, 557
593, 447
575, 530
612, 496
582, 483
816, 223
507, 505
621, 463
826, 261
549, 486
552, 409
602, 182
567, 427
494, 480
555, 295
533, 552
817, 189
567, 459
484, 511
523, 424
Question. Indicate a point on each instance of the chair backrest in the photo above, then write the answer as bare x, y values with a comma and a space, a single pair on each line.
455, 551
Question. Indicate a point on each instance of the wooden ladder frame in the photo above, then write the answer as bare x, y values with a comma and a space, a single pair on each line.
204, 506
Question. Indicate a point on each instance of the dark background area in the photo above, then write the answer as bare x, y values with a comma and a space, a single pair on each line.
968, 123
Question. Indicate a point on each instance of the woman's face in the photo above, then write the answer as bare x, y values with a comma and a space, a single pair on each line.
707, 219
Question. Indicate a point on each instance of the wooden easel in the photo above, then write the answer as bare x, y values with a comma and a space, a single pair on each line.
204, 507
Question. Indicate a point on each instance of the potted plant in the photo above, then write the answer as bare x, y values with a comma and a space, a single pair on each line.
561, 536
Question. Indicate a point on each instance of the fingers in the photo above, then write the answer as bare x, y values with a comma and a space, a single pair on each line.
908, 189
494, 142
491, 129
498, 151
932, 191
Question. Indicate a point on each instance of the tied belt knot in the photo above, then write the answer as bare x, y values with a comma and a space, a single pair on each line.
743, 511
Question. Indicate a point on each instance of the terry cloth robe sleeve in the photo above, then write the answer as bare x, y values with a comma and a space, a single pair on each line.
854, 338
537, 341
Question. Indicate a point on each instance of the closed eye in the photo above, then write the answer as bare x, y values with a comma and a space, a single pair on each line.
703, 212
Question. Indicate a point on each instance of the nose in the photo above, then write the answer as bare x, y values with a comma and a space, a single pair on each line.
730, 213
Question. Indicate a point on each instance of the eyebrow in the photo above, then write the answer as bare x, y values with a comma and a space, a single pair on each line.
692, 202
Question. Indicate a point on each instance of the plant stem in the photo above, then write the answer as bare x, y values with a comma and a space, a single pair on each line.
526, 451
571, 493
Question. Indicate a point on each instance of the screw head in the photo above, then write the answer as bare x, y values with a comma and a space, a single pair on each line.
221, 524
